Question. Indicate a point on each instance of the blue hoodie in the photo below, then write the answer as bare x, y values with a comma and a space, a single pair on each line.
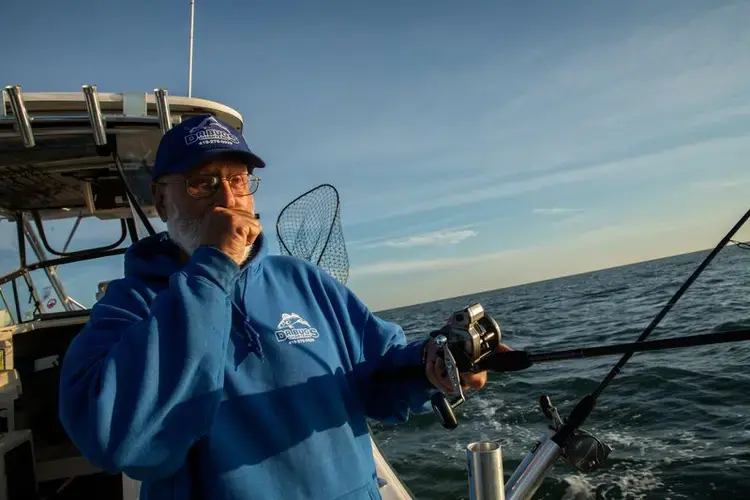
262, 375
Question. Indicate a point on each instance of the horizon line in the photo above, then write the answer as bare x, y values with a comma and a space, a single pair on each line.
554, 278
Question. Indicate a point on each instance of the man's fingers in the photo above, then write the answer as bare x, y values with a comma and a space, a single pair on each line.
438, 376
430, 372
236, 211
441, 374
241, 219
474, 380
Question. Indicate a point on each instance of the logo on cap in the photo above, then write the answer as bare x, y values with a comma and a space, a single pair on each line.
210, 132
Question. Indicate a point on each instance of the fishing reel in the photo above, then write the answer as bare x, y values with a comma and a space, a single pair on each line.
583, 451
469, 336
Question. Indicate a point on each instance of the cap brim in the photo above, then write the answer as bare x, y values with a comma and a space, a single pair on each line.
252, 160
249, 158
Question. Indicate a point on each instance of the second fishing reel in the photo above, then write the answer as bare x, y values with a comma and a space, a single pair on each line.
469, 336
583, 451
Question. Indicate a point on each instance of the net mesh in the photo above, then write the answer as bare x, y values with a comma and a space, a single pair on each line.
309, 228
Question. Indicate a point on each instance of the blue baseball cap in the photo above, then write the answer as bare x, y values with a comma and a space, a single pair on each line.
199, 139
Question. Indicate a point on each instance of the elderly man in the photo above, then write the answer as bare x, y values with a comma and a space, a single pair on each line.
214, 370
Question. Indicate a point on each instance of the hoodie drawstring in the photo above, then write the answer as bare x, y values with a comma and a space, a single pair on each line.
253, 339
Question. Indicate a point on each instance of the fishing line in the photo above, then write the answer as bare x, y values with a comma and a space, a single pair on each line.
741, 244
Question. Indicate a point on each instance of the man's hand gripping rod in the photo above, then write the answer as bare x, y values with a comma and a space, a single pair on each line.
469, 336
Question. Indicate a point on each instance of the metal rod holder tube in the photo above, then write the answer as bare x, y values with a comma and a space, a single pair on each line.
485, 459
91, 96
15, 97
536, 470
521, 469
162, 110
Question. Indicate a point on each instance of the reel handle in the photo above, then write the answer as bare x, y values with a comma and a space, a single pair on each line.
444, 410
440, 404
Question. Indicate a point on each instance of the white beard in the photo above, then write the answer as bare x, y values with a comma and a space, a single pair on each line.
186, 233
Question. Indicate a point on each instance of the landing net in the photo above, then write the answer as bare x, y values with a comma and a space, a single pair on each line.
309, 228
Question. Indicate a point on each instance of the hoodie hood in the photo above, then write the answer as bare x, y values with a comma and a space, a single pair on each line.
157, 257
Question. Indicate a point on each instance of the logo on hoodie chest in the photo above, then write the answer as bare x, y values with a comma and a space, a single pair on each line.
294, 329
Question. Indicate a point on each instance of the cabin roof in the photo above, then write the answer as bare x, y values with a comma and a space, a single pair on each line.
66, 172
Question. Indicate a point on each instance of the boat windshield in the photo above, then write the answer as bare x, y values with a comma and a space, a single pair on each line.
91, 251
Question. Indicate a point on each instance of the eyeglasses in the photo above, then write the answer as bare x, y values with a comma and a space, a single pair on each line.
206, 185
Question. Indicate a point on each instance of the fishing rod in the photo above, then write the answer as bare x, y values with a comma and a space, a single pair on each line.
511, 361
491, 359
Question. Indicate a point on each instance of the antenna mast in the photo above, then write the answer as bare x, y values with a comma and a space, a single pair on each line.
190, 60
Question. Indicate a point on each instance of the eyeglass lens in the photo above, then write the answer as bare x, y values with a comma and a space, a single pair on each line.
204, 185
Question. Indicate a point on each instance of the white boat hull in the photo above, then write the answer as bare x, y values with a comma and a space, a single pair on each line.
391, 486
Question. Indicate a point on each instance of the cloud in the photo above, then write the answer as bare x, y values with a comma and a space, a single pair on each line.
421, 265
556, 211
436, 238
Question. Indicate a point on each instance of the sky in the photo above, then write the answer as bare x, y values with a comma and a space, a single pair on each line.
474, 145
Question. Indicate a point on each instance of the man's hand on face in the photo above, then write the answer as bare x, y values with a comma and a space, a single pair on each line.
230, 230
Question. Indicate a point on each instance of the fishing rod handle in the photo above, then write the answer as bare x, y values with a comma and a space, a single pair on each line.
506, 361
